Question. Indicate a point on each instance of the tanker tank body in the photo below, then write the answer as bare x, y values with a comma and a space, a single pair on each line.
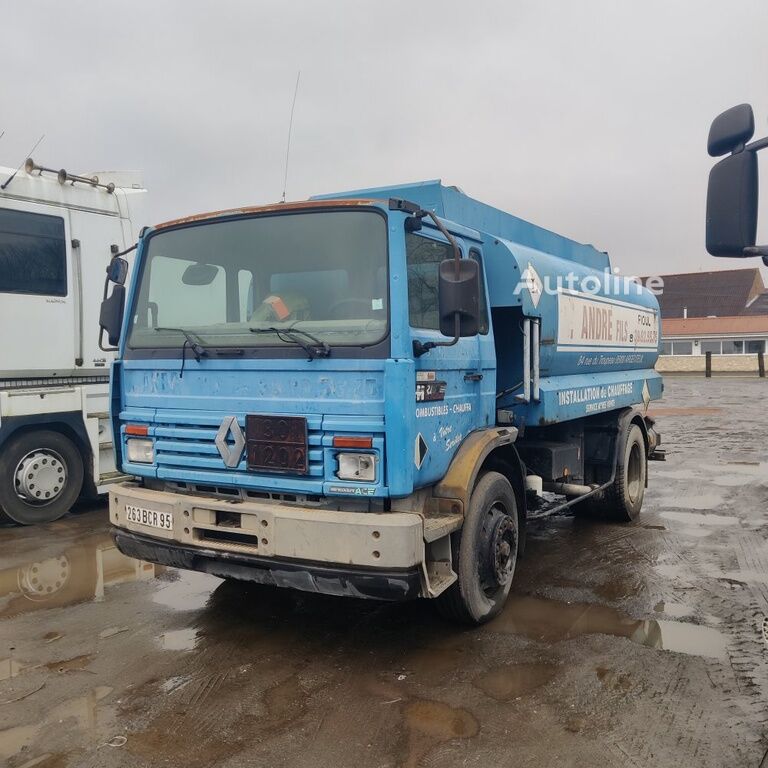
593, 336
575, 348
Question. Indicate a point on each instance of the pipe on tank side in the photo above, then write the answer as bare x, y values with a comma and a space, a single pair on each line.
569, 489
535, 354
526, 396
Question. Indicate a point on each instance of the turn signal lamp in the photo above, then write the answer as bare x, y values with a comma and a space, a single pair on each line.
341, 441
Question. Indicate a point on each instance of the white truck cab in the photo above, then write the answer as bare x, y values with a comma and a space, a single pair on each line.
57, 235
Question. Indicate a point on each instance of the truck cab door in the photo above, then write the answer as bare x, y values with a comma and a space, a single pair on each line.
36, 290
451, 382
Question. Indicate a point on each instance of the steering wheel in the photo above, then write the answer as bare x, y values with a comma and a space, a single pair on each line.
333, 309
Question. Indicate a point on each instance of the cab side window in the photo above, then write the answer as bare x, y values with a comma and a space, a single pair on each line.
483, 325
33, 254
423, 257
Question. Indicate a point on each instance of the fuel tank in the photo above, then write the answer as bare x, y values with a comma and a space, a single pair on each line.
595, 333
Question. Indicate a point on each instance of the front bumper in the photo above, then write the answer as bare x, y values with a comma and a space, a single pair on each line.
362, 554
377, 584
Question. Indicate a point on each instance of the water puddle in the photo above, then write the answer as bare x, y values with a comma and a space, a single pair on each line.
514, 680
674, 610
692, 518
179, 640
77, 573
83, 710
552, 621
10, 668
431, 723
74, 664
189, 592
13, 740
692, 639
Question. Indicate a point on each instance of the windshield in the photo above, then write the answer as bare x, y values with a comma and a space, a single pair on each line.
242, 282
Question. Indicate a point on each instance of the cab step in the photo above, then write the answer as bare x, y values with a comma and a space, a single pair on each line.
437, 527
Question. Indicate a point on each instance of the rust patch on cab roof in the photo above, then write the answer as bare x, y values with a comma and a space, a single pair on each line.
305, 204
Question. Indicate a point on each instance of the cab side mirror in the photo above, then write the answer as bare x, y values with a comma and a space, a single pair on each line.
111, 316
113, 306
117, 271
459, 297
732, 193
732, 205
730, 130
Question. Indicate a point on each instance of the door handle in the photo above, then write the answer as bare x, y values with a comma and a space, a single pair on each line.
473, 377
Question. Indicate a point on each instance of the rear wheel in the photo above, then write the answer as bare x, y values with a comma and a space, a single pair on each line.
623, 499
41, 475
484, 553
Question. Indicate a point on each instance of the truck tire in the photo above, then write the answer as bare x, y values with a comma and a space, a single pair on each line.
484, 553
623, 500
41, 475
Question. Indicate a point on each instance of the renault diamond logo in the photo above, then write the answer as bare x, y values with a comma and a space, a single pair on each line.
231, 453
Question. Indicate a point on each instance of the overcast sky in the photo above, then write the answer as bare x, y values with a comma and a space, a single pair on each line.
588, 117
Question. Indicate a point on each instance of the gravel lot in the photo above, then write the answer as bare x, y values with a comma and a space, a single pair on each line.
631, 645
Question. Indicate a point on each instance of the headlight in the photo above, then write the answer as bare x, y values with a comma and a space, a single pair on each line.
140, 451
357, 466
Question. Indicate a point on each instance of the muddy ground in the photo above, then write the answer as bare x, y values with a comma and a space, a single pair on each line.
632, 645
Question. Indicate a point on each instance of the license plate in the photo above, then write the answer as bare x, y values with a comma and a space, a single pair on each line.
276, 443
148, 517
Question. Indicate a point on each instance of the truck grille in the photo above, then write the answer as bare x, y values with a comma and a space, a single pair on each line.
187, 444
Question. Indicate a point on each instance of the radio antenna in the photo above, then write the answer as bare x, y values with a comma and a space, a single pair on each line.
290, 128
13, 175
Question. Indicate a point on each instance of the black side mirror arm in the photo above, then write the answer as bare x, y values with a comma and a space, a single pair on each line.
116, 254
757, 250
420, 348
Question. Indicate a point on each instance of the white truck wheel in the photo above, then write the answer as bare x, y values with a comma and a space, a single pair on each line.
41, 475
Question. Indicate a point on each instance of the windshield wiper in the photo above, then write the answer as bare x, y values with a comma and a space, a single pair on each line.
198, 350
318, 348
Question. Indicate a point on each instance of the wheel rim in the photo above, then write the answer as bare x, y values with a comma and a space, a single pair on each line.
40, 477
41, 580
635, 480
498, 550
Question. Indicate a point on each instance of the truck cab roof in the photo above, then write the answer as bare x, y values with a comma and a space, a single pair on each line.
45, 188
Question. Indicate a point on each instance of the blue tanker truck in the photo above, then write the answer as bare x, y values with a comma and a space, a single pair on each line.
371, 393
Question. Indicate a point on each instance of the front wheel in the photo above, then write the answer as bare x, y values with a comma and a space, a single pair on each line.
484, 553
41, 475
